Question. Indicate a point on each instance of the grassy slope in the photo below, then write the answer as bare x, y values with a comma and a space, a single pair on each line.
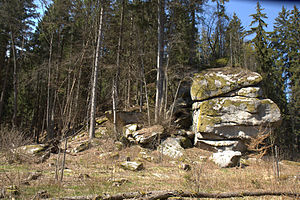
90, 173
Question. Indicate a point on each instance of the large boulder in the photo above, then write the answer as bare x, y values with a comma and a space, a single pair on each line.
217, 81
229, 109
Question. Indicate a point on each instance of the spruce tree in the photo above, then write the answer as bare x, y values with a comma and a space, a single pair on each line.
263, 54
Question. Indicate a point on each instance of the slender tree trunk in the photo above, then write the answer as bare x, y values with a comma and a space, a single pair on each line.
193, 34
120, 46
15, 81
166, 80
95, 77
49, 94
159, 78
116, 89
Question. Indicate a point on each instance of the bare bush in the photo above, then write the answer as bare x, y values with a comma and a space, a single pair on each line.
259, 145
11, 139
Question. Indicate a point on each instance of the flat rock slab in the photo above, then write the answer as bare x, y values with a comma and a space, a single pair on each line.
217, 81
220, 145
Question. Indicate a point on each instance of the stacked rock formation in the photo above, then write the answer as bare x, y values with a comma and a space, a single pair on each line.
228, 108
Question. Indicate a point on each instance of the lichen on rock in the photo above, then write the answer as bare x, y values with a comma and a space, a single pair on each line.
214, 82
228, 105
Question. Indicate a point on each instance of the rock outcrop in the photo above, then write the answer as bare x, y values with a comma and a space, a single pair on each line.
229, 109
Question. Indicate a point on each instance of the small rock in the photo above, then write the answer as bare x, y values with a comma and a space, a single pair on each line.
117, 182
34, 176
100, 131
129, 129
131, 165
101, 120
171, 147
144, 154
113, 155
42, 195
82, 147
226, 158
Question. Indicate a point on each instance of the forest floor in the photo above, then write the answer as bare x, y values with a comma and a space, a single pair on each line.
97, 171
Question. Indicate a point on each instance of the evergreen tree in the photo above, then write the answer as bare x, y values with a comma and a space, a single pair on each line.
294, 74
263, 54
234, 39
16, 21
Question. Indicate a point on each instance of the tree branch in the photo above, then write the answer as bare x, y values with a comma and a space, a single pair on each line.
155, 195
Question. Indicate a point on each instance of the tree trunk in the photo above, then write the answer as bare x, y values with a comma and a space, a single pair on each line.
159, 78
95, 77
49, 94
156, 195
116, 89
15, 82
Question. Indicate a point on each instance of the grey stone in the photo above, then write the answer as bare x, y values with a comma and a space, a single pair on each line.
129, 129
253, 92
217, 81
234, 117
171, 147
221, 145
226, 158
148, 136
131, 165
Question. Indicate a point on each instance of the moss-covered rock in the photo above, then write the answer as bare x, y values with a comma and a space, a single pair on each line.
253, 92
217, 81
132, 166
234, 117
82, 147
35, 149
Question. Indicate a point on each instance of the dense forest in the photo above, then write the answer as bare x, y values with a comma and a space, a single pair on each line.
60, 70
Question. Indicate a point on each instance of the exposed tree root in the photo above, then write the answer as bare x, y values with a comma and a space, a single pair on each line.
155, 195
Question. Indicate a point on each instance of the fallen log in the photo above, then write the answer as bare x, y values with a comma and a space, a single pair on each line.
155, 195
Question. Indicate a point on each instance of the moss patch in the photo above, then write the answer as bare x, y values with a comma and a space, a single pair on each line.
217, 81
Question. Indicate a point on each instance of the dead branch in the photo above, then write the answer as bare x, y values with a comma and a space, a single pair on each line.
155, 195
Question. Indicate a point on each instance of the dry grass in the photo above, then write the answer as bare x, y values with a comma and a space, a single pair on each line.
90, 172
